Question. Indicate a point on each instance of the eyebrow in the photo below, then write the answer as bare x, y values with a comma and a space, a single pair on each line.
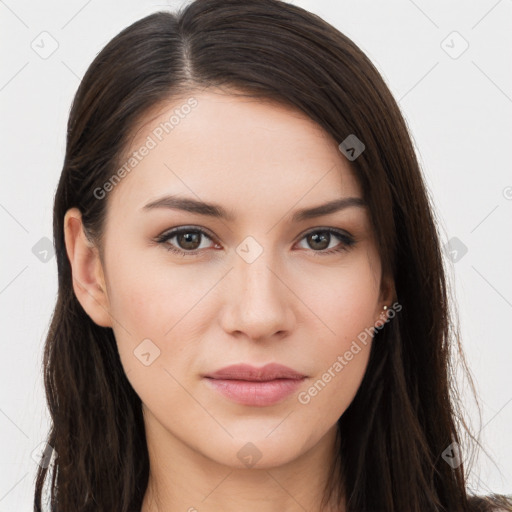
217, 211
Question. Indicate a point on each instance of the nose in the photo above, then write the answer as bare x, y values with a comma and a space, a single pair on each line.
259, 302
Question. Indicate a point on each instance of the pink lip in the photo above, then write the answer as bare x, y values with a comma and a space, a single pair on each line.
248, 385
270, 371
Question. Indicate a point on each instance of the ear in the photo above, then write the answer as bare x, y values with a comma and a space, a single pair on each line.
386, 298
86, 269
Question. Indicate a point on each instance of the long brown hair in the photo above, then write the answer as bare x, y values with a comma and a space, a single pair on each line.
405, 414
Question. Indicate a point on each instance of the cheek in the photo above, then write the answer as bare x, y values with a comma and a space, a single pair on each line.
146, 308
155, 309
142, 306
345, 300
150, 298
346, 306
341, 367
327, 399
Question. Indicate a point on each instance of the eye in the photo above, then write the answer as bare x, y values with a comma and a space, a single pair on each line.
320, 240
188, 240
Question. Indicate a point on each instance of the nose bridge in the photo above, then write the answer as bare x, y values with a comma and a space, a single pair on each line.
257, 278
259, 303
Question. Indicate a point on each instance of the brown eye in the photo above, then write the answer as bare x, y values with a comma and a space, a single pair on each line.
319, 241
189, 240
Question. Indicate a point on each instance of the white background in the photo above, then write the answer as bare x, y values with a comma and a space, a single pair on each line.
458, 110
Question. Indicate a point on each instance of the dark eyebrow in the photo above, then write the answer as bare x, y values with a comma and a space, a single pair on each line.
327, 208
214, 210
190, 205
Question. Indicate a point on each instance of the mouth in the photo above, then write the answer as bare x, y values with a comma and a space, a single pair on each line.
244, 371
255, 393
252, 386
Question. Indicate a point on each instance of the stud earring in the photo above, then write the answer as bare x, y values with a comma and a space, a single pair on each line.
384, 309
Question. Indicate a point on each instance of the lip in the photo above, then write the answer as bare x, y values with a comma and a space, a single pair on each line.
268, 372
249, 385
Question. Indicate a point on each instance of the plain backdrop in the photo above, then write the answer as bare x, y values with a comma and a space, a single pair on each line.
448, 65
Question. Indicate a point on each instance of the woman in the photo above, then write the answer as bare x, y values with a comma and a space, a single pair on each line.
252, 309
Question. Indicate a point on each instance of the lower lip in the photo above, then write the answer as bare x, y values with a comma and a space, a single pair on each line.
256, 393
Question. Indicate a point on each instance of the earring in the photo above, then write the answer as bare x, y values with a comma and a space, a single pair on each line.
384, 309
381, 316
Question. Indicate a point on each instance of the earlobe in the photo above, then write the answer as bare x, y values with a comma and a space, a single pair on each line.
88, 279
387, 296
388, 291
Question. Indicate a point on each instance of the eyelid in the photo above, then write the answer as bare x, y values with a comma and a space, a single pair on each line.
337, 231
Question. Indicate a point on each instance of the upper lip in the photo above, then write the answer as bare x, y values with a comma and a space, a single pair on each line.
268, 372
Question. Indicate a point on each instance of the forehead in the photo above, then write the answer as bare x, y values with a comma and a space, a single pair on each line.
228, 148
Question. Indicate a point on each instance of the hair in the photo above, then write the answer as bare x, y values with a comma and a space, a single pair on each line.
406, 411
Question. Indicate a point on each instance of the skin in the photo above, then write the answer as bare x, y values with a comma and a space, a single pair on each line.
261, 161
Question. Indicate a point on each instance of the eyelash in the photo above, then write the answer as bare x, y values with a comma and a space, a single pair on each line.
347, 241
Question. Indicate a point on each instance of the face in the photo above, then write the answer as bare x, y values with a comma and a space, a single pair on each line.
251, 280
